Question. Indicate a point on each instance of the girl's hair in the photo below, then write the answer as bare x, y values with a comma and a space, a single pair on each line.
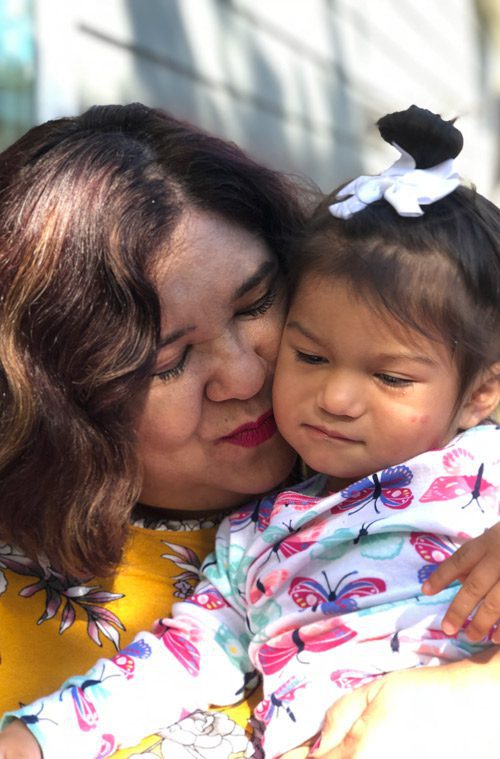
438, 273
87, 205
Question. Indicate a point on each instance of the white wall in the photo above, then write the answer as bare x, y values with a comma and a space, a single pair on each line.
299, 83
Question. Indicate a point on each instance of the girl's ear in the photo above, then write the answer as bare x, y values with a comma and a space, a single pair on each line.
482, 398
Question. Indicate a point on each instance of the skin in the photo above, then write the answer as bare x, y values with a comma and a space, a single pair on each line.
332, 372
221, 328
354, 391
446, 711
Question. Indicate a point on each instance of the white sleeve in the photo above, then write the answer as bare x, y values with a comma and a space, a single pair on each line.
195, 659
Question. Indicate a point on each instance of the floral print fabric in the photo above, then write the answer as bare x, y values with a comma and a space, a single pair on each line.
318, 595
52, 626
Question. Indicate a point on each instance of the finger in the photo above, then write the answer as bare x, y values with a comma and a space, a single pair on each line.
337, 740
454, 567
475, 587
487, 615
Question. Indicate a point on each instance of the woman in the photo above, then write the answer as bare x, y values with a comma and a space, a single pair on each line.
141, 305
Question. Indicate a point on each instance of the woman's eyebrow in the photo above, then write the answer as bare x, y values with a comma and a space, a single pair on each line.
173, 336
255, 279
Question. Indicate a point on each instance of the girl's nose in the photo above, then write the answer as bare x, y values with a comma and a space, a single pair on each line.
237, 370
341, 394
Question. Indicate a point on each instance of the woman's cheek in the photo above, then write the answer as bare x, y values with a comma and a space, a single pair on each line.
171, 414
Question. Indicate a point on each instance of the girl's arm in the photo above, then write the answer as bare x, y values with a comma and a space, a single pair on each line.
151, 684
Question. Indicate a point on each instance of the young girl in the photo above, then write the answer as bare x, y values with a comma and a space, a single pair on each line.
388, 365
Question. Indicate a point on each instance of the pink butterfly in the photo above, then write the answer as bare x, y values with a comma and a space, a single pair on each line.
86, 714
277, 700
208, 599
125, 659
267, 585
108, 746
456, 483
432, 549
298, 502
316, 637
289, 540
178, 643
309, 593
85, 710
351, 678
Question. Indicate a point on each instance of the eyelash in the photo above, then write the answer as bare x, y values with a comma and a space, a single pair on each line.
263, 304
387, 379
176, 370
309, 358
391, 381
258, 309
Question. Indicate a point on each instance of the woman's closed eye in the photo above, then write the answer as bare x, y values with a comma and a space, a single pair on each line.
176, 370
262, 304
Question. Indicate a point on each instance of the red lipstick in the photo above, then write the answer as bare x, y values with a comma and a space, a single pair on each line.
254, 433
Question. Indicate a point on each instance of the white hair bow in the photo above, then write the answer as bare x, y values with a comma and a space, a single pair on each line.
402, 185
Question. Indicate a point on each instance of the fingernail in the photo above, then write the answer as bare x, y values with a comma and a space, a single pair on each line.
448, 628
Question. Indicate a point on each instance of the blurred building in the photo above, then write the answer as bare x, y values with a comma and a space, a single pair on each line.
299, 83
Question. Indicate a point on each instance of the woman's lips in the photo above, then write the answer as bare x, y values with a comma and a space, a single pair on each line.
254, 433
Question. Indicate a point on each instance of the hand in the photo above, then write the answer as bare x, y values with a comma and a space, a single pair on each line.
450, 710
477, 565
17, 742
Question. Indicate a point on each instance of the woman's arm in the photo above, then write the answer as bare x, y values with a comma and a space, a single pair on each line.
449, 710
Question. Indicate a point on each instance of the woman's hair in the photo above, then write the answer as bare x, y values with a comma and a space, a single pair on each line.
87, 205
438, 273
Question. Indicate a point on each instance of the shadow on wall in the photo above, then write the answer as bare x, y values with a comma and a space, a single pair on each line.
236, 74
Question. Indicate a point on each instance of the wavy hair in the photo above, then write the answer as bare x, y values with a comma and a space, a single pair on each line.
86, 206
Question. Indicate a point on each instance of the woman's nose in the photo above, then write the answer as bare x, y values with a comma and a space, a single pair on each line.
237, 370
342, 394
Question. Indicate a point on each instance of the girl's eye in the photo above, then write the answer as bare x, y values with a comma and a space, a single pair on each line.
392, 381
174, 371
263, 304
309, 358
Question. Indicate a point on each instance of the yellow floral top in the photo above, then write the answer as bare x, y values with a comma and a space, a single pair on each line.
53, 626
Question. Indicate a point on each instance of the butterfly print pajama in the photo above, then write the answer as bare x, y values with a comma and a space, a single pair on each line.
317, 594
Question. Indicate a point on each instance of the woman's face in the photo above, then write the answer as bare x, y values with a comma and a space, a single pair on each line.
206, 436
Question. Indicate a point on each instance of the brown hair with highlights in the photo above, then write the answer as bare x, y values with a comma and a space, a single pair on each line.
86, 206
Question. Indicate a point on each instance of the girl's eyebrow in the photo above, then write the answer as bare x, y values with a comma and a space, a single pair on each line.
418, 357
267, 267
300, 328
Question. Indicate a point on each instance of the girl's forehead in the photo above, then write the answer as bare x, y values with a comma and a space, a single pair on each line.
332, 305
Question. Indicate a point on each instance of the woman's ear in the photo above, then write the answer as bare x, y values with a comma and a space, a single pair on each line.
482, 398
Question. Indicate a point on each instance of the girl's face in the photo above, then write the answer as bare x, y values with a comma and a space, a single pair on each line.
206, 435
354, 392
